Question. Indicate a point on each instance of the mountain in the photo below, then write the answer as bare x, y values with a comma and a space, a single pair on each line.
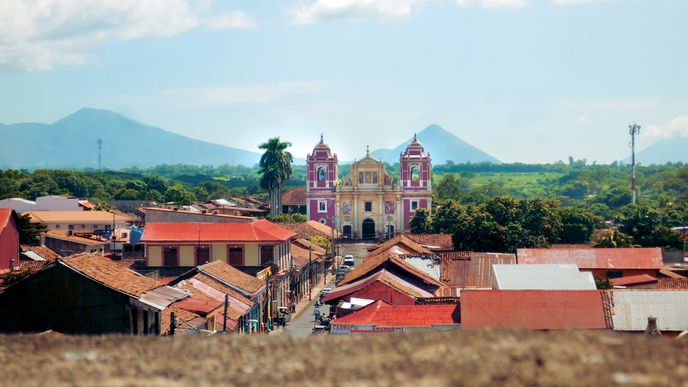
442, 145
71, 142
669, 150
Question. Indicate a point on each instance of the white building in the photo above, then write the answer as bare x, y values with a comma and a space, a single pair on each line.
46, 203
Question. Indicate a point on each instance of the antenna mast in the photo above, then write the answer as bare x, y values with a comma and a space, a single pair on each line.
633, 130
100, 152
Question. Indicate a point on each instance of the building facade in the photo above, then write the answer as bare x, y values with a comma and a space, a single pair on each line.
9, 240
368, 203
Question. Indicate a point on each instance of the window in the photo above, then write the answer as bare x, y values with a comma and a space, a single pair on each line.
415, 176
414, 205
70, 227
266, 255
235, 256
170, 256
322, 175
124, 235
322, 220
202, 255
322, 205
374, 177
368, 206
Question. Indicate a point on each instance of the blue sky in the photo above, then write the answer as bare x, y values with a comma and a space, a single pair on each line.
524, 80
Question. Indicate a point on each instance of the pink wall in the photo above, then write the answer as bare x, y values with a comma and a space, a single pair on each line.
329, 215
9, 245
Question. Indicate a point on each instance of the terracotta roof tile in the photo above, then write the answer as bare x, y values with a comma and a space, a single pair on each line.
109, 273
43, 251
381, 276
433, 241
310, 228
371, 264
294, 197
230, 275
673, 283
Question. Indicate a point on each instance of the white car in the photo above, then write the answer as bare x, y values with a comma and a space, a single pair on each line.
349, 260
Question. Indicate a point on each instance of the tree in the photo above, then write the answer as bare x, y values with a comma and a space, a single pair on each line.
179, 195
275, 168
612, 238
448, 188
447, 216
577, 225
29, 233
420, 223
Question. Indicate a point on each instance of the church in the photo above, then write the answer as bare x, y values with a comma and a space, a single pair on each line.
368, 203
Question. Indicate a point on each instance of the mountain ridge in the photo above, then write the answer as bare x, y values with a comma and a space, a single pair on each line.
70, 142
442, 145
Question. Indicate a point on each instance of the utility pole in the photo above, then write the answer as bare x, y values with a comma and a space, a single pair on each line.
633, 130
99, 142
224, 322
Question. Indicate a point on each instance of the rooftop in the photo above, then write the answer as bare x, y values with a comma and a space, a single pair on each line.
42, 251
433, 241
258, 231
381, 314
470, 269
641, 279
533, 309
382, 276
231, 276
630, 309
595, 258
109, 273
99, 217
158, 209
294, 197
541, 277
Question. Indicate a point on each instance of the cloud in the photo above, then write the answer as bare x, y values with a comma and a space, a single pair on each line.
677, 127
232, 95
39, 34
322, 10
493, 4
583, 120
232, 20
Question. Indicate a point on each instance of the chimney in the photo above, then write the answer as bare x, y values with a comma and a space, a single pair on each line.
652, 329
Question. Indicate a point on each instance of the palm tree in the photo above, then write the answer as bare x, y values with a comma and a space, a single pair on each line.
275, 168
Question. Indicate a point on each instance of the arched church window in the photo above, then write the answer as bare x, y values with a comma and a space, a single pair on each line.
322, 175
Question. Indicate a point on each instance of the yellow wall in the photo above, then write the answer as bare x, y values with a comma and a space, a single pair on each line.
219, 252
187, 256
155, 256
251, 255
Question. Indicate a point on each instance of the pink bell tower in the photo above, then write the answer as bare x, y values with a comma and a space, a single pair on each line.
321, 180
416, 180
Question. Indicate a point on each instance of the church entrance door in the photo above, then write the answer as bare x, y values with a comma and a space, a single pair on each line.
368, 229
346, 231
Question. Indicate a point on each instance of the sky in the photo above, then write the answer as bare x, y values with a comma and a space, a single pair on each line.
524, 80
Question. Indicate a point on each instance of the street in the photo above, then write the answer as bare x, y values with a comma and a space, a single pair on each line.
302, 325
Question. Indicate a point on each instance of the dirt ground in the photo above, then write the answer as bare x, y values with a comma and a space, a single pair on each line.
478, 358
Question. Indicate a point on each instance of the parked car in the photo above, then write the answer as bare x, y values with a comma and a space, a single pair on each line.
349, 260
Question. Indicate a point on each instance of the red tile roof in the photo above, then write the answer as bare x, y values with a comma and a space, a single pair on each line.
258, 231
43, 251
294, 197
151, 209
310, 228
470, 269
381, 276
673, 283
433, 241
533, 309
231, 276
302, 255
198, 306
371, 264
591, 258
640, 279
399, 245
382, 314
109, 273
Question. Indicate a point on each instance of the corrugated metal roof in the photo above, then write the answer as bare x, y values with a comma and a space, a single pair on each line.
383, 276
541, 277
469, 269
162, 297
428, 265
591, 258
640, 279
382, 314
631, 308
533, 309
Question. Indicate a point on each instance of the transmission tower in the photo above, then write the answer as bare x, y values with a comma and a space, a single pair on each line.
100, 154
633, 130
